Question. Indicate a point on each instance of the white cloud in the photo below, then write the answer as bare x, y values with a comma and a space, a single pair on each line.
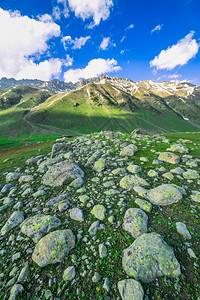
106, 43
174, 76
24, 41
131, 26
95, 68
77, 42
124, 37
157, 28
96, 9
176, 55
57, 11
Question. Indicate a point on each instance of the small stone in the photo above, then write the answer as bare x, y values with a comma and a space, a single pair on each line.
69, 273
93, 228
96, 277
76, 214
191, 253
106, 285
182, 229
102, 250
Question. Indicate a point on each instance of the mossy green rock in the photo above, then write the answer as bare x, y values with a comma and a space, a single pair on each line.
149, 257
164, 194
130, 289
53, 247
62, 173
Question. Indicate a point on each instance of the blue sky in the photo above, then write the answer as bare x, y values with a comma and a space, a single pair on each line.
72, 39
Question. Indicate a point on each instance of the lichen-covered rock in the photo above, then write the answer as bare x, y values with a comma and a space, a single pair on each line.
76, 214
62, 173
25, 178
164, 194
69, 273
15, 291
15, 219
145, 205
129, 181
93, 228
130, 289
100, 165
99, 212
152, 173
53, 247
12, 176
169, 157
191, 174
149, 257
195, 196
135, 222
129, 150
39, 224
178, 148
134, 169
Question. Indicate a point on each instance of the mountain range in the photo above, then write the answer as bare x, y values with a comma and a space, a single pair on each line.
104, 103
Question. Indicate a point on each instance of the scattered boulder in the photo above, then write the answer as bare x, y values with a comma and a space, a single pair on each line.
53, 247
62, 173
169, 157
129, 150
164, 194
195, 196
130, 289
149, 257
178, 148
135, 222
15, 219
191, 174
76, 214
39, 225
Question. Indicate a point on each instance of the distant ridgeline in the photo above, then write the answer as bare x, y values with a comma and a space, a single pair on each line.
97, 104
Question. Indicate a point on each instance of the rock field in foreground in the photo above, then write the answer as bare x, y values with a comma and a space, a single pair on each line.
103, 216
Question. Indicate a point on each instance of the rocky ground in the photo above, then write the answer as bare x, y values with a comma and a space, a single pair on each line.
102, 216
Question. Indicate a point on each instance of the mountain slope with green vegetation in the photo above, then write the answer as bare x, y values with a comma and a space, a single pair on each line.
104, 103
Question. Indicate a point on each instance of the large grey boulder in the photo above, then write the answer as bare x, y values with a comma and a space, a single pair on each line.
53, 247
15, 219
130, 289
178, 148
149, 257
164, 194
135, 222
62, 173
39, 225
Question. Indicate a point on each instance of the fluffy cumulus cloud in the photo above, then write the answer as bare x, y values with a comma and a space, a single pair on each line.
77, 42
157, 28
106, 43
176, 55
96, 9
23, 40
95, 68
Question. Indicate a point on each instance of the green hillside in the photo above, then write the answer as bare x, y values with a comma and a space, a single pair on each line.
105, 104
